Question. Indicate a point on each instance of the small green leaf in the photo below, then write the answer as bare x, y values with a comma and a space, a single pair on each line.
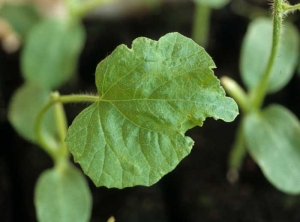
273, 140
149, 96
24, 106
22, 17
213, 3
255, 53
62, 195
51, 51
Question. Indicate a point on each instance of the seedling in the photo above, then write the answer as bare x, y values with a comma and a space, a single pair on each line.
271, 135
148, 96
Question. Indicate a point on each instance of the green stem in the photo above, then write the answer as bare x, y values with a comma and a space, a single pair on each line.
236, 155
87, 6
259, 92
52, 150
44, 143
236, 92
257, 95
62, 127
77, 99
289, 8
201, 24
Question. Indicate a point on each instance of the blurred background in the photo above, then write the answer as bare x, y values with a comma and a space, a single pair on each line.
197, 190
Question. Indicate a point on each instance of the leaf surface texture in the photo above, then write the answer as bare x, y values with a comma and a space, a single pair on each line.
62, 194
149, 96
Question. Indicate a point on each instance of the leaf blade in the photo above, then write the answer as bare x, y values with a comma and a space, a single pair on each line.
273, 141
150, 95
62, 196
22, 17
255, 53
24, 106
51, 52
121, 166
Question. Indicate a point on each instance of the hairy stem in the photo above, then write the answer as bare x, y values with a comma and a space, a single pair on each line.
201, 24
77, 98
289, 8
259, 92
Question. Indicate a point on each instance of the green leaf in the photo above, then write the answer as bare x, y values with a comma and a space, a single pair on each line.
255, 53
24, 106
22, 17
62, 195
273, 140
213, 3
149, 96
51, 51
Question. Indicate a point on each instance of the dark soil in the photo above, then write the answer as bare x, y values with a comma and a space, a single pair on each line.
197, 190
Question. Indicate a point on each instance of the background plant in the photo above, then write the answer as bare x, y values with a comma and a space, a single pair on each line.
269, 57
49, 58
202, 14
